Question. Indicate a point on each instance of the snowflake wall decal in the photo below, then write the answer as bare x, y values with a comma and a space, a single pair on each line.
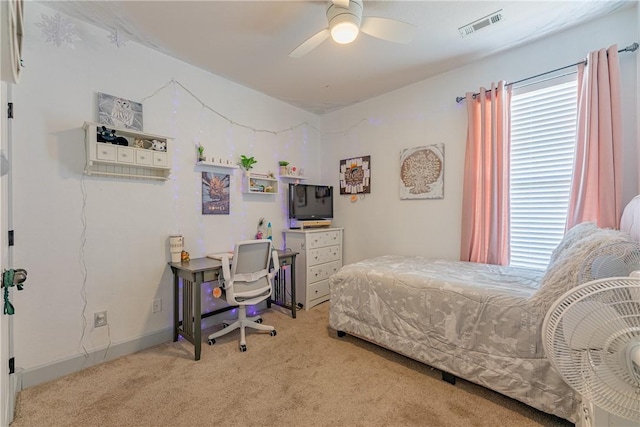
58, 30
117, 38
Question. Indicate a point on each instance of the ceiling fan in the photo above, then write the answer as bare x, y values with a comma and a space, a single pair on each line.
346, 21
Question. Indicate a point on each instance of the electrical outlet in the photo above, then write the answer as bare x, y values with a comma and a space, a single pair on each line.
99, 319
156, 305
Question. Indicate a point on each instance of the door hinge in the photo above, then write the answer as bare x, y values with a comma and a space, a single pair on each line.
10, 238
12, 365
10, 110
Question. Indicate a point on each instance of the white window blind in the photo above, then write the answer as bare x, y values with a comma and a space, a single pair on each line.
543, 127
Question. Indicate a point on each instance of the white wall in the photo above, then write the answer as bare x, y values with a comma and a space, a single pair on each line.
426, 113
124, 247
128, 222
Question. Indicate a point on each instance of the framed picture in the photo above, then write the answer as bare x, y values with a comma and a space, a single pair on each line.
119, 112
215, 193
422, 172
355, 175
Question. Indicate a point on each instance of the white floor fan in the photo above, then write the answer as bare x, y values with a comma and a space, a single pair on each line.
592, 336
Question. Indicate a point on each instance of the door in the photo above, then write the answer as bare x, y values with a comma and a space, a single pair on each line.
8, 380
6, 391
12, 28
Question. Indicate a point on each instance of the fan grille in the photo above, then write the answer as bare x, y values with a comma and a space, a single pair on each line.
588, 330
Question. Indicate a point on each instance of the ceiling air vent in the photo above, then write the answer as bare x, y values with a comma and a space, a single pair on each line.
481, 23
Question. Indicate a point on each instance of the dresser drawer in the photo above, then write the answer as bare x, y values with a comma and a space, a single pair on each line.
322, 239
324, 255
106, 152
323, 271
318, 290
126, 155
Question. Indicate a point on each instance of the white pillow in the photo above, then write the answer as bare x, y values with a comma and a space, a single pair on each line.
562, 274
630, 221
571, 237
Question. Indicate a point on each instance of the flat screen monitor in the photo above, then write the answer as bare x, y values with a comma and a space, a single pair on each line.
310, 202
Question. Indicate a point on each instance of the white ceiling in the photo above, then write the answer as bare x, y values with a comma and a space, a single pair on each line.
249, 41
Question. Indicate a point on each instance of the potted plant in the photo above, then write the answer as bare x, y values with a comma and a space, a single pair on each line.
246, 163
283, 167
201, 157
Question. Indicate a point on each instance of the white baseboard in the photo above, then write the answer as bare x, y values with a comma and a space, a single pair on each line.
51, 371
60, 368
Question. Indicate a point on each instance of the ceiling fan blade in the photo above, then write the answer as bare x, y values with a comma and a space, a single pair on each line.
342, 3
388, 29
310, 44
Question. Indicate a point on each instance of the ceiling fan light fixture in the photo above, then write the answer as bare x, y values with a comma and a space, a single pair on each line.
344, 32
344, 23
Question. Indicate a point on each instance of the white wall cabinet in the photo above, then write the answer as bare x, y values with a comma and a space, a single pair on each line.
127, 161
320, 256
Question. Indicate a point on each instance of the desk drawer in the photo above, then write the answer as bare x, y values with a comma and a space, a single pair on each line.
210, 276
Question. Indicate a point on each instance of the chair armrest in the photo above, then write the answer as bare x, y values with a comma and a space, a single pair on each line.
276, 263
226, 271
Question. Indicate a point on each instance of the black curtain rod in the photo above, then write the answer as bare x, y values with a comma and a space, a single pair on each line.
631, 48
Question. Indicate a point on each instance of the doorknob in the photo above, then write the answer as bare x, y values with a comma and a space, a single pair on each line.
11, 278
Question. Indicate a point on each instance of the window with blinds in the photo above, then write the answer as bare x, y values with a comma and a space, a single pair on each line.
543, 130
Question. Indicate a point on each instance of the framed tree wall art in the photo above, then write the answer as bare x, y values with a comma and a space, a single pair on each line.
422, 172
215, 193
355, 175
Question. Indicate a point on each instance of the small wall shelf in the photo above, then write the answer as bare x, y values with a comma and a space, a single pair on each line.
259, 184
217, 165
295, 177
126, 161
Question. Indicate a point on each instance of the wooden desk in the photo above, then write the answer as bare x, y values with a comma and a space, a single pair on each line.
202, 270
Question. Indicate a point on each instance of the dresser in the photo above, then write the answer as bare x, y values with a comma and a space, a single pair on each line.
320, 256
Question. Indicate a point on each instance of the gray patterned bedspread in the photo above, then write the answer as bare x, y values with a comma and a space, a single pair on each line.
475, 321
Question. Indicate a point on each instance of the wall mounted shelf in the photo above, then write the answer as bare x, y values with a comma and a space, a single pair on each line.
217, 165
301, 178
126, 161
259, 184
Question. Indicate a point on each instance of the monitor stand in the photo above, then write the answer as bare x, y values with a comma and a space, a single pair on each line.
310, 223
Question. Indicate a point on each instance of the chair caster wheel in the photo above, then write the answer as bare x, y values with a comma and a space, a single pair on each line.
243, 348
211, 341
273, 333
225, 325
259, 320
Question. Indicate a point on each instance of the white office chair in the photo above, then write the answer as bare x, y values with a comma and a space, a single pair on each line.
248, 281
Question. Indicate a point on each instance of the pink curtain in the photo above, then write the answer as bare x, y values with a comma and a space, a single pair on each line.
485, 197
596, 185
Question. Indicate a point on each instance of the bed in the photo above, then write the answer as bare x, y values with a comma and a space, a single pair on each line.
475, 321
